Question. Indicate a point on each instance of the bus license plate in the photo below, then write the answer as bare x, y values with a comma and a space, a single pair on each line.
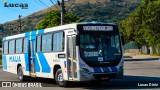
104, 78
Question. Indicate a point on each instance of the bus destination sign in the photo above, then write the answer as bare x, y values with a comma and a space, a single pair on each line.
98, 28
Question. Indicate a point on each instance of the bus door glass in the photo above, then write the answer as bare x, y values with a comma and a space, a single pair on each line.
31, 57
71, 57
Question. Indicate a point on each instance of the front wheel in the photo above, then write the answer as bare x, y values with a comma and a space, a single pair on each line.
59, 78
21, 77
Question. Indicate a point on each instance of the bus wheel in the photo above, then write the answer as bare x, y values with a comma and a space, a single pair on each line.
59, 78
21, 77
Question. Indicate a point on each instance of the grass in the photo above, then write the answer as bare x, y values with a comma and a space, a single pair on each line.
0, 62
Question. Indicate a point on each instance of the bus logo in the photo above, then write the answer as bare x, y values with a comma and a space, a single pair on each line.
14, 59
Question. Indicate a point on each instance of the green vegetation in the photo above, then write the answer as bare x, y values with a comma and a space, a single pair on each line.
142, 26
106, 11
0, 62
87, 10
53, 19
83, 10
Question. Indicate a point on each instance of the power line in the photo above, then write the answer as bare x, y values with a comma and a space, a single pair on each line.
71, 5
54, 4
45, 4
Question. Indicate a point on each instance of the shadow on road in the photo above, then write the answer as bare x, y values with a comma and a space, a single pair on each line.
129, 82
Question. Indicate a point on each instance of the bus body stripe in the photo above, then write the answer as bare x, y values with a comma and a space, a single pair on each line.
27, 34
26, 61
26, 55
106, 69
44, 63
37, 64
4, 62
114, 69
97, 69
4, 38
33, 35
41, 31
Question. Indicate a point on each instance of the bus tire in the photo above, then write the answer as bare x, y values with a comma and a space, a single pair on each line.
21, 77
59, 78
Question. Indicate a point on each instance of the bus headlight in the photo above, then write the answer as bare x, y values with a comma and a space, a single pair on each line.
85, 70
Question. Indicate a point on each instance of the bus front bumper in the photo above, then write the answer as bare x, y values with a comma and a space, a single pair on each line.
84, 76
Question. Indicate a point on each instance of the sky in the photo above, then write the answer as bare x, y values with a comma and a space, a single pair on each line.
11, 13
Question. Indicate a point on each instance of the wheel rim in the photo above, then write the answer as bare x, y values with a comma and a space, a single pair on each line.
60, 79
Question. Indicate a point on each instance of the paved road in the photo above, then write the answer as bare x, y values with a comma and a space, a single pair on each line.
136, 72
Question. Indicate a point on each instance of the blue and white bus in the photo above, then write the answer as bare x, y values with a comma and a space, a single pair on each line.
74, 52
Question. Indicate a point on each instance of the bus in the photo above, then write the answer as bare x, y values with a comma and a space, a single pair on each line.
87, 51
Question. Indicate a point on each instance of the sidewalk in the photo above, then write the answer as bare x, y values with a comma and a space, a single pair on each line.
0, 66
139, 57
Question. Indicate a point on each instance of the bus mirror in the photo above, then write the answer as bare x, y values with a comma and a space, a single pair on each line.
122, 39
77, 40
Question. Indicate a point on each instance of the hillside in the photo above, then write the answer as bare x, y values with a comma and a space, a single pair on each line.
87, 10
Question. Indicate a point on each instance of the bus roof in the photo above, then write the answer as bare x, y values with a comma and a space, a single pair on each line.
57, 28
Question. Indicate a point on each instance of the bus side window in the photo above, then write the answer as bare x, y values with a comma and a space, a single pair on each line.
47, 42
58, 42
25, 45
38, 47
5, 47
12, 47
19, 46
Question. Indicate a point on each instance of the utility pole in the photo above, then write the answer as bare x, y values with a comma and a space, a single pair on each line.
62, 11
19, 25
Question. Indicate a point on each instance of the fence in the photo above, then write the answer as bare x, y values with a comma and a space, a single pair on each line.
132, 48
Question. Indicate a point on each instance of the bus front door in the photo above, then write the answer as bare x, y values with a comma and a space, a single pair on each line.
32, 57
71, 57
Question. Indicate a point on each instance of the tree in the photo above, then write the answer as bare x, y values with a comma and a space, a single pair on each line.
142, 26
54, 19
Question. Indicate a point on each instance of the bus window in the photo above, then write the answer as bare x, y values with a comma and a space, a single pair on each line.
100, 47
19, 46
38, 43
58, 42
47, 43
12, 47
5, 46
25, 45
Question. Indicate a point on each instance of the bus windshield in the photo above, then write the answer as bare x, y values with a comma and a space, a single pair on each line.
101, 47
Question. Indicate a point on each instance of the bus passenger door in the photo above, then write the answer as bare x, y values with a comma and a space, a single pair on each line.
71, 57
32, 57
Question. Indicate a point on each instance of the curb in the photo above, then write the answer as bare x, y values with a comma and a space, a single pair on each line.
140, 59
1, 66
